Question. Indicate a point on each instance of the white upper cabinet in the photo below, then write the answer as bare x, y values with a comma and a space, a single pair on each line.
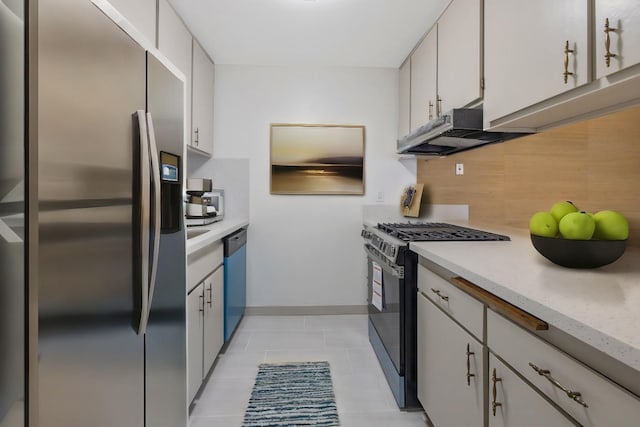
424, 72
140, 13
446, 67
404, 99
459, 54
202, 100
619, 47
174, 41
533, 50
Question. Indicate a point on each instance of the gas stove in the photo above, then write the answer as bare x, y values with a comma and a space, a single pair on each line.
392, 273
392, 239
436, 231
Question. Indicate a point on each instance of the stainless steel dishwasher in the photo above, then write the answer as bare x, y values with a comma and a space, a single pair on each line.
235, 280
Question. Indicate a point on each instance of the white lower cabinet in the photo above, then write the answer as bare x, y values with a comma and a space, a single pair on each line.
585, 395
513, 403
477, 367
450, 369
205, 313
195, 328
213, 317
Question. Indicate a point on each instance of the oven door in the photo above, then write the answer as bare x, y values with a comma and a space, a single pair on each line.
388, 323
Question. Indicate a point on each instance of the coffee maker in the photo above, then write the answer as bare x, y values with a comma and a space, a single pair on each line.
200, 208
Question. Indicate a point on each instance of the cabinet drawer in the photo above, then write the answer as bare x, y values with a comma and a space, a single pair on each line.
608, 404
513, 403
202, 262
465, 309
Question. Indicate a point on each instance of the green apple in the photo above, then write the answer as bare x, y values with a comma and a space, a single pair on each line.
577, 226
543, 224
560, 209
611, 225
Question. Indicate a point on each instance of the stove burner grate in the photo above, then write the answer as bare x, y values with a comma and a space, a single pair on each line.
436, 231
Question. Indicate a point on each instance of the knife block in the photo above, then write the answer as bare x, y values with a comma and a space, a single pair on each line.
413, 210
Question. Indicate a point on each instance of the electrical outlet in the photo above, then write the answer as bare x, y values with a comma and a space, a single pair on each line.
459, 169
380, 198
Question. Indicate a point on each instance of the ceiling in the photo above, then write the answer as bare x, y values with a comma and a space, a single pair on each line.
358, 33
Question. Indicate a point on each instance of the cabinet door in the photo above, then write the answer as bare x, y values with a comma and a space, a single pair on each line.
174, 42
459, 60
195, 328
404, 99
517, 404
524, 52
202, 112
213, 317
424, 72
450, 364
141, 13
624, 37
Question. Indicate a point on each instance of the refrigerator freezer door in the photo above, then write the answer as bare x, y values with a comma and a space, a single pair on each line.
91, 81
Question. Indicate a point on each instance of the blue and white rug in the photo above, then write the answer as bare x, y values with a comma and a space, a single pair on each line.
292, 394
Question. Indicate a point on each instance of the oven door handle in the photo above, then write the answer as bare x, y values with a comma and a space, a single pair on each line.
384, 263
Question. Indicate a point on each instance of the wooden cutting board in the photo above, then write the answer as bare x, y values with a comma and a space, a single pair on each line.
410, 200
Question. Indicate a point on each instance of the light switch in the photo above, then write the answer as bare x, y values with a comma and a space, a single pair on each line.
459, 169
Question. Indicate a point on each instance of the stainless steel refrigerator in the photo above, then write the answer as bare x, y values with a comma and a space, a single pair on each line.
111, 248
12, 208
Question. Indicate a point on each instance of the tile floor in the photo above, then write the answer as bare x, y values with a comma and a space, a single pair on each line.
362, 394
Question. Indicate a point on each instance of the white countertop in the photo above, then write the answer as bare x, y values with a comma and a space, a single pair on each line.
600, 307
215, 231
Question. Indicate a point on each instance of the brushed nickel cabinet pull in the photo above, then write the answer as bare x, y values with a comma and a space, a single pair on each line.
210, 295
571, 394
197, 133
201, 298
607, 42
438, 106
430, 110
567, 51
494, 402
469, 374
437, 292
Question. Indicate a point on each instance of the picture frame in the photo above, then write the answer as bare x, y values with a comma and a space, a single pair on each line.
317, 159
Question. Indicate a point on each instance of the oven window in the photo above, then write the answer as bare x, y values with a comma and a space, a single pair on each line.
387, 322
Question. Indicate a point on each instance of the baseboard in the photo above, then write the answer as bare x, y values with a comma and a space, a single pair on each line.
313, 310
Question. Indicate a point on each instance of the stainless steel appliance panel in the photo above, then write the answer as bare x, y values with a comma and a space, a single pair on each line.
12, 214
92, 79
166, 373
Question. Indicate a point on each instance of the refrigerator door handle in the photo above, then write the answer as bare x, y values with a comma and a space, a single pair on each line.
155, 170
144, 220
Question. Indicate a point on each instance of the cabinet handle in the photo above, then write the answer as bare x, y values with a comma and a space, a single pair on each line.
469, 374
494, 403
210, 295
438, 106
201, 297
607, 42
197, 133
567, 51
437, 292
430, 110
571, 394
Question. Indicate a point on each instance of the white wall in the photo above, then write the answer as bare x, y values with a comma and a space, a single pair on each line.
307, 250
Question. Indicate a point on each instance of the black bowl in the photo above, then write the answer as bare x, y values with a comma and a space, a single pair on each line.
579, 253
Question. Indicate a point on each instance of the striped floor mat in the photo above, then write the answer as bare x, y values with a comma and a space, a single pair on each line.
292, 394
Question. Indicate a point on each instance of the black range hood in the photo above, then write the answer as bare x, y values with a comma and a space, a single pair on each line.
454, 131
